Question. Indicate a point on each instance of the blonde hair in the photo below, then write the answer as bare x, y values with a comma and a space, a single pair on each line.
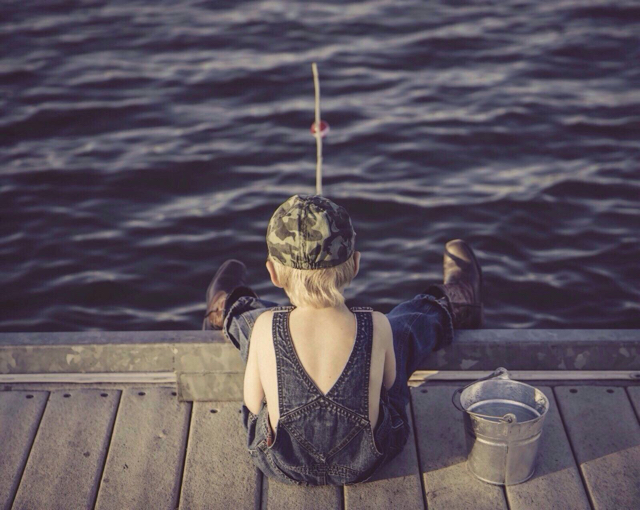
317, 288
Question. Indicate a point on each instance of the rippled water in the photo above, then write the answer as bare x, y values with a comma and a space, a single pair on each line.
143, 143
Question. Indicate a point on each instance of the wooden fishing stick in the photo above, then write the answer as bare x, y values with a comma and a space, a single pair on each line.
318, 136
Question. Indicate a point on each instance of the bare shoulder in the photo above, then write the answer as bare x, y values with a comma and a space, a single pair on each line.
380, 319
264, 320
382, 327
260, 333
262, 328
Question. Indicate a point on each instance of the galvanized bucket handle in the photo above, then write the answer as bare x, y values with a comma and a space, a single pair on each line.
498, 373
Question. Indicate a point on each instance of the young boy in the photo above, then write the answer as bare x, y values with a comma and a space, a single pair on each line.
325, 388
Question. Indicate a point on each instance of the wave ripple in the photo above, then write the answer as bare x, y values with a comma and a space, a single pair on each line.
143, 143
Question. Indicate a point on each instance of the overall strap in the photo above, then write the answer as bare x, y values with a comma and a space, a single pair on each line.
300, 390
351, 390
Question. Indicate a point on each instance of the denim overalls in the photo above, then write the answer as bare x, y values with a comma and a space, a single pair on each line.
327, 438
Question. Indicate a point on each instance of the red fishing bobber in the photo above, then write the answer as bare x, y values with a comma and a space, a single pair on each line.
324, 128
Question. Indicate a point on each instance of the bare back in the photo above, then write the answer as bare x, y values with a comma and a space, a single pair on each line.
323, 343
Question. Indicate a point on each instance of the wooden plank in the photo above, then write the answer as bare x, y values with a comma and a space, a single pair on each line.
421, 376
277, 495
91, 378
634, 394
605, 436
218, 469
395, 485
556, 482
68, 453
441, 446
211, 386
145, 460
20, 415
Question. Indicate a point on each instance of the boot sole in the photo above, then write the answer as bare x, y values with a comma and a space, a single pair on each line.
223, 266
475, 260
481, 285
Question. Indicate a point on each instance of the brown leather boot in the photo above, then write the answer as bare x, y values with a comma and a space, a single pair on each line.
231, 276
462, 285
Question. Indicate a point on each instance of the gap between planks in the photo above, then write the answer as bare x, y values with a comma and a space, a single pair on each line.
421, 376
91, 377
418, 376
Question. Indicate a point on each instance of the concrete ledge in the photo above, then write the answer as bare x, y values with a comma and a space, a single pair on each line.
147, 351
206, 365
540, 349
110, 337
196, 351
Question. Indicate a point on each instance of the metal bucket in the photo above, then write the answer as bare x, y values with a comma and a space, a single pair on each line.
503, 422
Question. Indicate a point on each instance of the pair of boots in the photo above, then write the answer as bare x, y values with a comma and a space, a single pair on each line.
461, 289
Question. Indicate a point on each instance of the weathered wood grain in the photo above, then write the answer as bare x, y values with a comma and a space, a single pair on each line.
556, 482
68, 453
145, 459
605, 435
395, 485
634, 394
441, 446
277, 495
20, 415
218, 470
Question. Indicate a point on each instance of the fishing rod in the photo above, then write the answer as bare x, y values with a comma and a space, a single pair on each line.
319, 129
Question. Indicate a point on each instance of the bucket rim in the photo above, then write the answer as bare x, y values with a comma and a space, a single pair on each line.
500, 374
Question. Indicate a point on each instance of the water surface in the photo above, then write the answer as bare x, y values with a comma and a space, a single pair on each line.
143, 143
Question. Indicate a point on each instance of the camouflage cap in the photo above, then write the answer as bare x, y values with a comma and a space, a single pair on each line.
310, 232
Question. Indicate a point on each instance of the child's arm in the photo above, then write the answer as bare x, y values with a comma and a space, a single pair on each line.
253, 390
389, 376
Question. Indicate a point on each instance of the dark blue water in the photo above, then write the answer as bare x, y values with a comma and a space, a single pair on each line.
143, 143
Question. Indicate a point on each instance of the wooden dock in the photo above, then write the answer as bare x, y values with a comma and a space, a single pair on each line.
139, 447
151, 420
